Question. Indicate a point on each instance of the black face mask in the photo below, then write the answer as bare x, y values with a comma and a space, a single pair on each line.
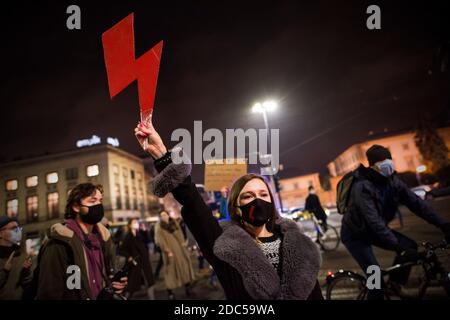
94, 215
257, 212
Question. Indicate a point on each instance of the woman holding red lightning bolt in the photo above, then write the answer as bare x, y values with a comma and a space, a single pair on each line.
256, 255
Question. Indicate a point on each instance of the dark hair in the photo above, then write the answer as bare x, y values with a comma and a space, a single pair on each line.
234, 196
377, 153
81, 191
130, 220
310, 188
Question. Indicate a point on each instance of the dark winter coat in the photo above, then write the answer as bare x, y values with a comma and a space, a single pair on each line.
312, 204
63, 249
134, 246
241, 266
15, 282
374, 202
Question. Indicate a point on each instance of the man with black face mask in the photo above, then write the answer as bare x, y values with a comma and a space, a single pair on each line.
376, 192
80, 246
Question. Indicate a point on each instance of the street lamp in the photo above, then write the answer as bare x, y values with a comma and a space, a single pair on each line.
264, 107
420, 169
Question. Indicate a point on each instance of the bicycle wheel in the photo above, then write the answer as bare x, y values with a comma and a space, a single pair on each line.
329, 240
346, 287
416, 286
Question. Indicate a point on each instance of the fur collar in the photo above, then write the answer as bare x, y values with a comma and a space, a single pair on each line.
300, 262
62, 232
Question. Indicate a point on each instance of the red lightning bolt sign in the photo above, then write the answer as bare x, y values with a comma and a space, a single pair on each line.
123, 68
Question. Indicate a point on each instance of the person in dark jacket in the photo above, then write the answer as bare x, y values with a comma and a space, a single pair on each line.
158, 250
375, 196
15, 264
312, 204
141, 275
81, 245
256, 255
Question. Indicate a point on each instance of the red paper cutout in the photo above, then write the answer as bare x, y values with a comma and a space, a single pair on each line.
123, 68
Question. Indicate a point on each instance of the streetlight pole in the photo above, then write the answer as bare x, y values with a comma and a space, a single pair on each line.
263, 108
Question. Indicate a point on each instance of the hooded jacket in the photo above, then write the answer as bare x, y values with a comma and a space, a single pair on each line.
62, 250
374, 202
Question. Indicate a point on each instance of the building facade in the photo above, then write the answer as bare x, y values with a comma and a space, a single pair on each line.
295, 190
405, 156
35, 190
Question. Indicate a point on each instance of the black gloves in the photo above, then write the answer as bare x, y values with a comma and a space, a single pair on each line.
407, 254
410, 255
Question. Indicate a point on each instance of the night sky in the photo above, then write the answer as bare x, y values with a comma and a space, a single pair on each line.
335, 80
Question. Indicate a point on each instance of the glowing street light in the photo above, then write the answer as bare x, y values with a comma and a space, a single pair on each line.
257, 108
269, 105
421, 168
264, 107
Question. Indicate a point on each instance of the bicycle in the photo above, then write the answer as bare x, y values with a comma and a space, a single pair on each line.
349, 285
327, 237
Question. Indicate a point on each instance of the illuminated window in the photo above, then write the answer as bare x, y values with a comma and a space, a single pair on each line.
139, 183
92, 171
53, 205
115, 169
118, 197
52, 177
140, 188
32, 209
31, 181
127, 198
135, 203
12, 185
12, 208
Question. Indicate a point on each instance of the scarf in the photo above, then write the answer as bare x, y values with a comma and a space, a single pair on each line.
94, 253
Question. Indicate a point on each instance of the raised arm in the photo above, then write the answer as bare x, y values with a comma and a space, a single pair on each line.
176, 178
417, 205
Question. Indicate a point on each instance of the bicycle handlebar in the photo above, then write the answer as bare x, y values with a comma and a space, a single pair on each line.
430, 246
